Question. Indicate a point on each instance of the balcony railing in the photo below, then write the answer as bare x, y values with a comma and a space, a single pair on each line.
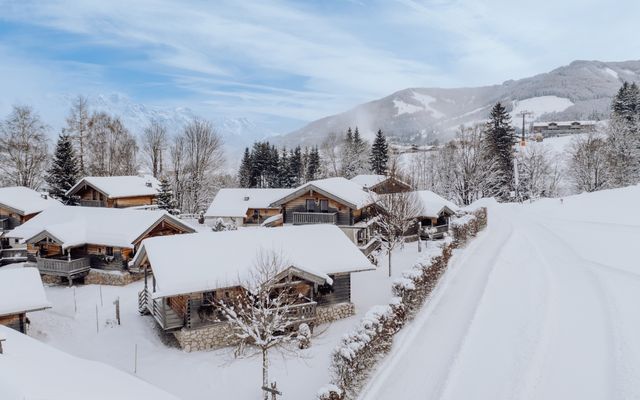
54, 266
435, 232
305, 218
12, 255
92, 203
303, 312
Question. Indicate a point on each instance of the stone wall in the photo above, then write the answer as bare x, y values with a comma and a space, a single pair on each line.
334, 312
206, 338
112, 278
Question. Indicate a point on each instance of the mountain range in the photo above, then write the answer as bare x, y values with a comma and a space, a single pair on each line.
580, 90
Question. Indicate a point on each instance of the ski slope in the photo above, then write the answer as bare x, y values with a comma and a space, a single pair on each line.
542, 305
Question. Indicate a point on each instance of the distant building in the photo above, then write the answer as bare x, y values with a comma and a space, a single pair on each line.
381, 184
116, 191
243, 206
559, 128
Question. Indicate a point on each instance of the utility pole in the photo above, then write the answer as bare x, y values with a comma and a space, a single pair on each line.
524, 114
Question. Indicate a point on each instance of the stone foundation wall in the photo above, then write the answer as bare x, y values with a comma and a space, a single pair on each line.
206, 338
98, 277
325, 314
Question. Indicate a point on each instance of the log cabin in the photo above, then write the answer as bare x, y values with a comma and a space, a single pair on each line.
68, 241
180, 292
116, 191
18, 204
382, 184
336, 201
244, 207
434, 214
31, 369
21, 292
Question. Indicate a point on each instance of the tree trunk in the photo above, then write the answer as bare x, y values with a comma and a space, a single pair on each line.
389, 253
265, 373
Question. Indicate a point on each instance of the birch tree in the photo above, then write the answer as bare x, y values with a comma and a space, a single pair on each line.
110, 149
154, 143
23, 148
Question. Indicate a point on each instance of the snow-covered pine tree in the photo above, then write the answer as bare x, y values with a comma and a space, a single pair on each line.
313, 164
295, 166
379, 154
284, 171
498, 145
623, 141
245, 178
64, 171
349, 156
360, 153
626, 103
165, 198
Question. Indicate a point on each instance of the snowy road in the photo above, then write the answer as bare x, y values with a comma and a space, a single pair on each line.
542, 305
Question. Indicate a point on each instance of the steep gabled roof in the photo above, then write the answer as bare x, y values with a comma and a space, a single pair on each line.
75, 226
208, 261
30, 369
371, 181
25, 201
339, 189
114, 187
21, 291
234, 202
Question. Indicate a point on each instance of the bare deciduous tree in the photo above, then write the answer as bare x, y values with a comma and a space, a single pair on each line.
587, 163
23, 148
154, 143
78, 127
330, 150
539, 175
261, 316
110, 149
396, 214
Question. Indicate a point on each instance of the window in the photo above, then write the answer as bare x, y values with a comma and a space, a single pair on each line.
256, 214
109, 251
324, 206
310, 205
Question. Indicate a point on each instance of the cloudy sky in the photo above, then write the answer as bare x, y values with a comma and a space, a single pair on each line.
287, 62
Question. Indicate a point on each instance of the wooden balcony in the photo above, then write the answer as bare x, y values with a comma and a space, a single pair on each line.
92, 203
166, 317
303, 312
307, 218
63, 267
8, 256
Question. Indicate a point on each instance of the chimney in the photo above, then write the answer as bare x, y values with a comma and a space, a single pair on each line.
246, 198
147, 184
44, 196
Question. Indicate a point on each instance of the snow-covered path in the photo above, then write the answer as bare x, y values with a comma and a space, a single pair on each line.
542, 305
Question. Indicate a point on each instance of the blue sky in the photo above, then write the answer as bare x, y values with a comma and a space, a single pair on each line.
287, 62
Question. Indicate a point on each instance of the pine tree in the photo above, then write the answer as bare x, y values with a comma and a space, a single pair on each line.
379, 154
313, 165
64, 171
284, 172
245, 177
295, 162
626, 103
165, 198
499, 141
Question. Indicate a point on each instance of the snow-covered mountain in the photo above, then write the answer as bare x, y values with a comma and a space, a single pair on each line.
580, 90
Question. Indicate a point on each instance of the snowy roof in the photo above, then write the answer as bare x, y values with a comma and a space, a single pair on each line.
338, 188
25, 201
76, 226
433, 204
236, 202
21, 290
370, 181
120, 186
564, 123
30, 369
208, 261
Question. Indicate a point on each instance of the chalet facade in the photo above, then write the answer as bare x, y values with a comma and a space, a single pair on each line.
18, 204
182, 296
560, 128
21, 292
434, 214
68, 241
382, 184
244, 207
336, 201
116, 191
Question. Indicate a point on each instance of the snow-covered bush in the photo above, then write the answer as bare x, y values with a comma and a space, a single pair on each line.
220, 226
329, 392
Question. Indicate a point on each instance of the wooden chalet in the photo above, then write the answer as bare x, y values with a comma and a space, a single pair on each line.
67, 241
434, 214
18, 204
336, 201
116, 191
181, 293
21, 292
244, 206
382, 184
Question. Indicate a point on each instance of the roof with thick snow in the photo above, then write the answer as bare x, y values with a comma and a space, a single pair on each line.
25, 201
338, 188
236, 202
369, 181
432, 204
120, 186
30, 369
75, 226
21, 291
208, 261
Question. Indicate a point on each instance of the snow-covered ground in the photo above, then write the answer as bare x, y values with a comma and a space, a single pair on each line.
542, 305
198, 375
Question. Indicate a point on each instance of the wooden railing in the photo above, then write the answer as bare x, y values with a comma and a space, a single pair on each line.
62, 267
369, 247
92, 203
435, 232
166, 317
303, 312
13, 254
305, 218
